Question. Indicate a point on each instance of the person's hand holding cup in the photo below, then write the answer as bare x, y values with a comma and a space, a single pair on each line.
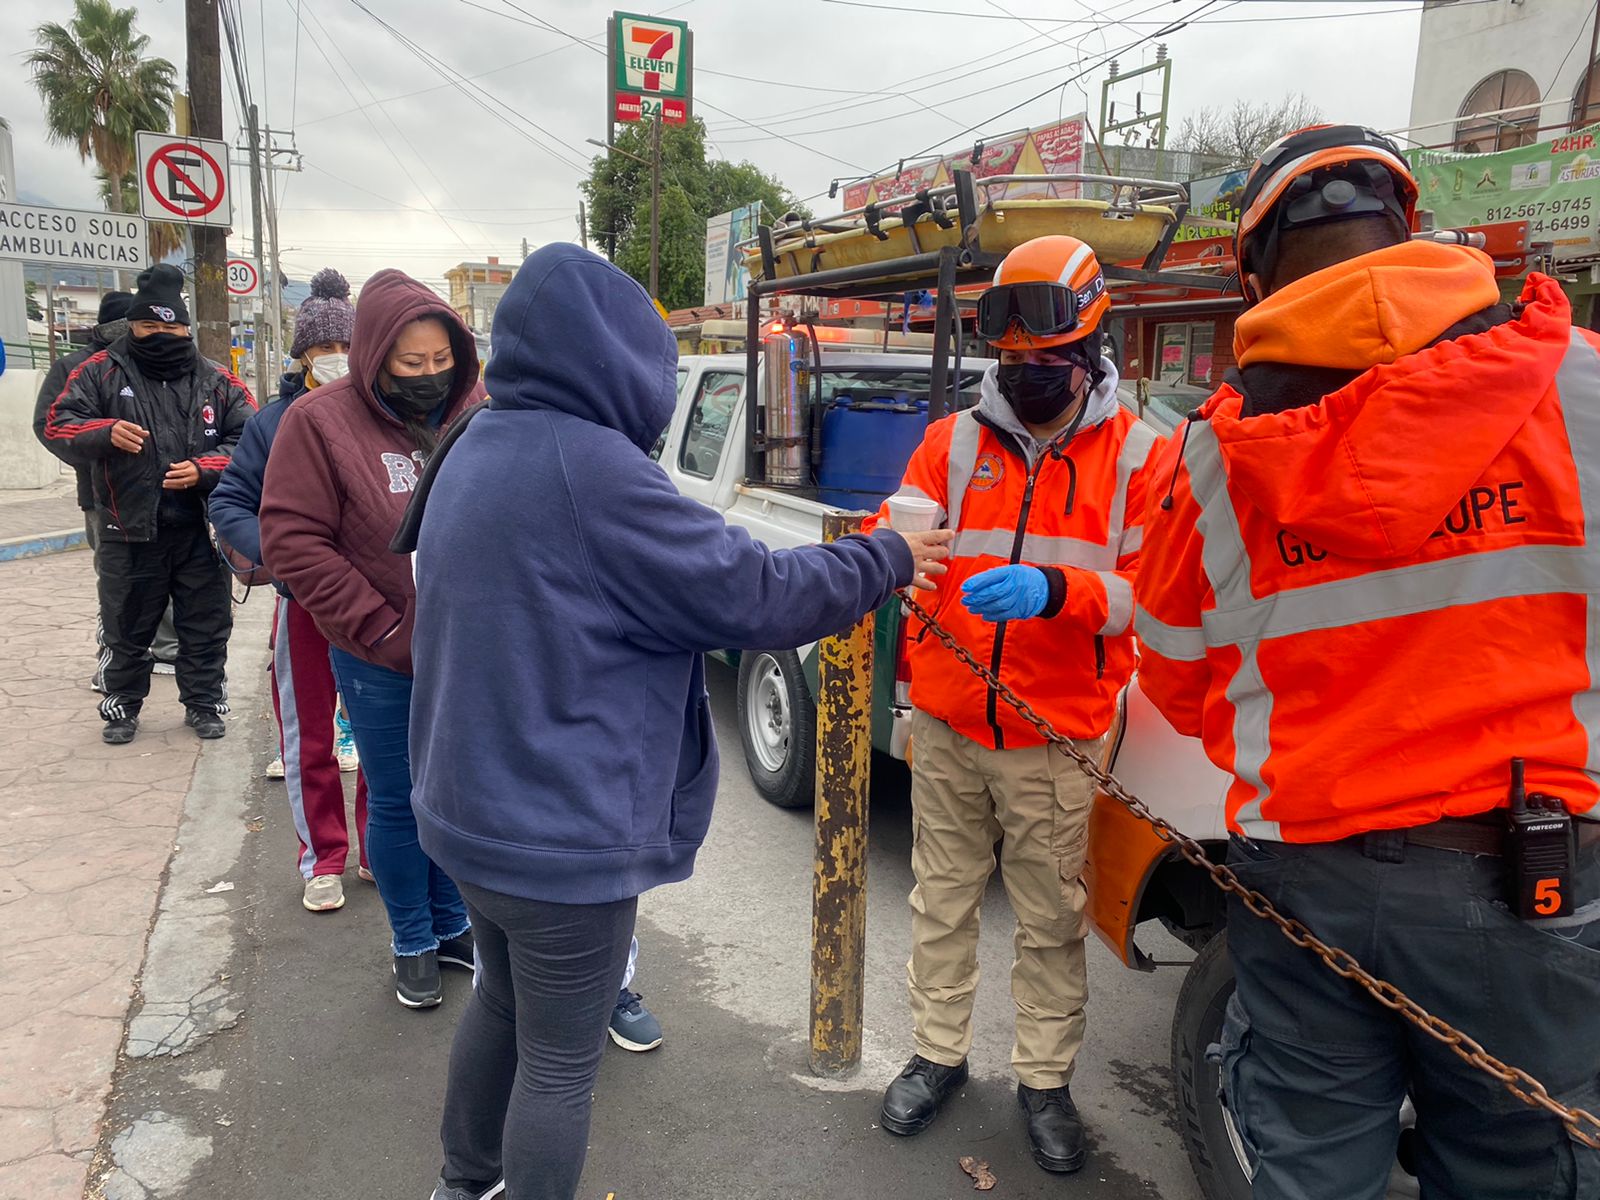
914, 518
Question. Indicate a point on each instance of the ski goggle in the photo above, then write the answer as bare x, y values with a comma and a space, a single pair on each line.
1043, 309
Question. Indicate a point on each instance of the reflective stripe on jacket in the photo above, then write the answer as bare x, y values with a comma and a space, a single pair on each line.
1076, 506
1368, 605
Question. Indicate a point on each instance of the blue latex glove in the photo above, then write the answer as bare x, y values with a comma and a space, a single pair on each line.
1011, 593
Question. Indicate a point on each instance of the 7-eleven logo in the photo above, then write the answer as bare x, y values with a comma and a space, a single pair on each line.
651, 53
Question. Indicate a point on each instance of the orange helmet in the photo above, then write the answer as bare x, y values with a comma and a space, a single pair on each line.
1316, 175
1047, 292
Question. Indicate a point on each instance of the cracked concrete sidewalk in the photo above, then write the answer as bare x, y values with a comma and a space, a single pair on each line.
89, 833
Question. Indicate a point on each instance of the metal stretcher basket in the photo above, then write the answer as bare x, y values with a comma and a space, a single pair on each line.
1126, 228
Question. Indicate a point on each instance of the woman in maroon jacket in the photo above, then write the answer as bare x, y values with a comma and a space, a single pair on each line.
341, 472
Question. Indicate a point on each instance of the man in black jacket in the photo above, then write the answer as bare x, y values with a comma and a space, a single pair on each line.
111, 324
155, 423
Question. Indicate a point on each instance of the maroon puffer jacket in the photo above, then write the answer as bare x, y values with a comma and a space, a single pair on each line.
341, 472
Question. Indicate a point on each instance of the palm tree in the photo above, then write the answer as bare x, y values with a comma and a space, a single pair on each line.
165, 236
99, 89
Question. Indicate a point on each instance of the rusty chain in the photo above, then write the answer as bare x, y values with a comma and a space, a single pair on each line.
1581, 1124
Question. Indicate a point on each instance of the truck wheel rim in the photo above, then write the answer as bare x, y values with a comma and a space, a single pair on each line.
767, 714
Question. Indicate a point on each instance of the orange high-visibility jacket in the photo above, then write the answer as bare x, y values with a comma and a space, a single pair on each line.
1368, 605
1077, 507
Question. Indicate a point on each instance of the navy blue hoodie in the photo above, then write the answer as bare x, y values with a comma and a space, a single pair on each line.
561, 736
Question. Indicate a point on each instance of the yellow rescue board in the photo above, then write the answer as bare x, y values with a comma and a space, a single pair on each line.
1117, 236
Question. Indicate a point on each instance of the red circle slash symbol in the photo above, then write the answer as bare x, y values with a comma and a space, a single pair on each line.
185, 180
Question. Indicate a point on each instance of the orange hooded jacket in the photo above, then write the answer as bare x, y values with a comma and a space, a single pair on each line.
1367, 605
1075, 506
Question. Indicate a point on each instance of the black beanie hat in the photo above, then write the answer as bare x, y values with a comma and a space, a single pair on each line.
113, 307
160, 296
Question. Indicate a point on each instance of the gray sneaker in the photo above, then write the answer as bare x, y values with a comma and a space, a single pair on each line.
443, 1192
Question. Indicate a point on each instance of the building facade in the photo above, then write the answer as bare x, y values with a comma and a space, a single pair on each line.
476, 290
1504, 73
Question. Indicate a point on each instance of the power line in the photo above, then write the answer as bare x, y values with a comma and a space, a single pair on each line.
444, 72
1171, 28
982, 16
386, 143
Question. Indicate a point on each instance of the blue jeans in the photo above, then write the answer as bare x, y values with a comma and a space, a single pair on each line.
423, 904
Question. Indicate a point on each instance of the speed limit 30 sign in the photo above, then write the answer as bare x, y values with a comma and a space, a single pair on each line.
244, 279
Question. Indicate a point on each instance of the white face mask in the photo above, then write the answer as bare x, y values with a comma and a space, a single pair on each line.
328, 367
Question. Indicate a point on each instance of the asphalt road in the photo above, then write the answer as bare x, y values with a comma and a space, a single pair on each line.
327, 1087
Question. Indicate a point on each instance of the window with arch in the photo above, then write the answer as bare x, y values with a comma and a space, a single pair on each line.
1586, 101
1501, 113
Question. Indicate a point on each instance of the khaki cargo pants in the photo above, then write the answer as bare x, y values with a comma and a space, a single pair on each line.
964, 798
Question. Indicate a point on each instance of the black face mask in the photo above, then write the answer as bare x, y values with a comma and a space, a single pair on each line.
163, 355
1037, 394
416, 396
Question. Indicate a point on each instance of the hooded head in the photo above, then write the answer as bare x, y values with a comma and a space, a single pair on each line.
390, 301
574, 334
111, 322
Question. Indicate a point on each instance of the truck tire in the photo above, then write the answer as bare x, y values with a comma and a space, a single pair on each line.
778, 727
1215, 1151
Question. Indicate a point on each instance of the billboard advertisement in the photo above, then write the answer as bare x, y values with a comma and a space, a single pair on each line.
1050, 150
726, 277
1553, 185
1215, 196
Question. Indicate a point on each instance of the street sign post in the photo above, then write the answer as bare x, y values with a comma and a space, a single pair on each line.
72, 237
184, 180
652, 69
244, 279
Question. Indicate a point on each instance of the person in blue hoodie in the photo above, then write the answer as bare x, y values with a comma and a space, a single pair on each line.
560, 728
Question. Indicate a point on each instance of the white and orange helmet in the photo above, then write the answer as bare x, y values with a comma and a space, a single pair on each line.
1047, 292
1313, 176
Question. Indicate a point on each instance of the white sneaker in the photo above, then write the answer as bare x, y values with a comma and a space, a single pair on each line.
344, 747
163, 668
324, 893
275, 768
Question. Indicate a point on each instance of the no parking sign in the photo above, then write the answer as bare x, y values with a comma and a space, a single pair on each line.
184, 179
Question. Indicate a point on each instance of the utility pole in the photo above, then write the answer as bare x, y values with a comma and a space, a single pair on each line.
205, 113
655, 208
583, 231
525, 240
255, 226
1588, 73
275, 291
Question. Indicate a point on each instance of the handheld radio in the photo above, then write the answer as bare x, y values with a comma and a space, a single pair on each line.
1542, 852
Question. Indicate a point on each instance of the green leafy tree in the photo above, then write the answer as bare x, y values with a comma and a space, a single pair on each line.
99, 88
693, 190
35, 309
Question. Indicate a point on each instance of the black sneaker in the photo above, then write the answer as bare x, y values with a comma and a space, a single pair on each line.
416, 980
1054, 1128
206, 724
914, 1099
120, 732
457, 951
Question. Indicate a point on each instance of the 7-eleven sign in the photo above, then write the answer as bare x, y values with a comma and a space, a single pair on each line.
650, 56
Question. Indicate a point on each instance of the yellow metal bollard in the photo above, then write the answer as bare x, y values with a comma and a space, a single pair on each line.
839, 890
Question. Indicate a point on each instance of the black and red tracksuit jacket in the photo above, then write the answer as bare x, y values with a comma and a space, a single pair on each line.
198, 417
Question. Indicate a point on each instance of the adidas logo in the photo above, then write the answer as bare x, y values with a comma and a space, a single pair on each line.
126, 391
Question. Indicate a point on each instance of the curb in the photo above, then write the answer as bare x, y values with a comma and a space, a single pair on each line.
42, 543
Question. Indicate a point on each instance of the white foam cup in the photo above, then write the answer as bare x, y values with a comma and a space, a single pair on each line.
912, 514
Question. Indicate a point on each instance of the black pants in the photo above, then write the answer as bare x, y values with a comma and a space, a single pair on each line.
1315, 1070
528, 1048
137, 581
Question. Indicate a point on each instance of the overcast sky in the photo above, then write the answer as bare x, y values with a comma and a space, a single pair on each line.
429, 176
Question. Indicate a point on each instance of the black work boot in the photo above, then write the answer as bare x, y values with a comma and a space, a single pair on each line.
915, 1097
1054, 1128
205, 723
120, 732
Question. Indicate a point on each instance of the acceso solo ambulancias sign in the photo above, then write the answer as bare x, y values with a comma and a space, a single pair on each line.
651, 68
72, 237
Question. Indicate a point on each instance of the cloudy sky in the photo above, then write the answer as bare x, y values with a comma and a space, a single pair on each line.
402, 168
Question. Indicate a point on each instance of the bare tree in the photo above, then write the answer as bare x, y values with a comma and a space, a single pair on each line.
1240, 133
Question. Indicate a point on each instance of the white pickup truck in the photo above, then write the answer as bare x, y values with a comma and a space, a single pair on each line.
703, 451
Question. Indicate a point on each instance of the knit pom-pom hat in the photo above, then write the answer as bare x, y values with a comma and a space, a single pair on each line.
326, 316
